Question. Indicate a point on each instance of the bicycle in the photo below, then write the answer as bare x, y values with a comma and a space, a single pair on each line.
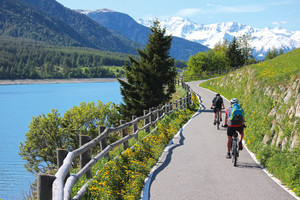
218, 119
235, 146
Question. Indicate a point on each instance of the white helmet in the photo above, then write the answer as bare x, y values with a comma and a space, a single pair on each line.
234, 100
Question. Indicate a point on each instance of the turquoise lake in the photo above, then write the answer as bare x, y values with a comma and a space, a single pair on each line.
19, 103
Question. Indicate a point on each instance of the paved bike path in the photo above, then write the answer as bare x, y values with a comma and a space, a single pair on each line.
195, 166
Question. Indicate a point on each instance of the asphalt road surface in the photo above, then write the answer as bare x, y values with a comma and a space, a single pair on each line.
195, 166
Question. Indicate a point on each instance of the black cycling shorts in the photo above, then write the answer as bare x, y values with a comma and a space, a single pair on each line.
215, 109
231, 130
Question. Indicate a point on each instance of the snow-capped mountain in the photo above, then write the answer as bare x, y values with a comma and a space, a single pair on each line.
209, 35
122, 23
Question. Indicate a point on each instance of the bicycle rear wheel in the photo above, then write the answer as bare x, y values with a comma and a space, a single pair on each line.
218, 119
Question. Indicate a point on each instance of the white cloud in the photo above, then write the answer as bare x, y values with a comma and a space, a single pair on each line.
189, 11
240, 9
220, 9
278, 23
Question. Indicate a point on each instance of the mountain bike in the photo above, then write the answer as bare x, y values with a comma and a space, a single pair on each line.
235, 146
218, 118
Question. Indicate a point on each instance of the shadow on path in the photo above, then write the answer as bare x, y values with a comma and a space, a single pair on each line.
208, 111
248, 165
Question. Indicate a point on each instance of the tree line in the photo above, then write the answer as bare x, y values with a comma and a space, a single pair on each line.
32, 60
272, 53
27, 59
224, 55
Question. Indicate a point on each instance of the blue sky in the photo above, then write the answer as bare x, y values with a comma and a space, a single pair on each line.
256, 13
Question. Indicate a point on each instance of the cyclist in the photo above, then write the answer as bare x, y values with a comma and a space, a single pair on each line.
217, 103
236, 124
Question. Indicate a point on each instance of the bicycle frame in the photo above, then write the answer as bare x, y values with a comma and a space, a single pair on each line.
235, 148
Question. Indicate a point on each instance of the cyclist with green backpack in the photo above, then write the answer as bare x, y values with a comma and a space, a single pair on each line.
234, 121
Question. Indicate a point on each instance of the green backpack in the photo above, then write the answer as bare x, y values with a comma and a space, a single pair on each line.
236, 112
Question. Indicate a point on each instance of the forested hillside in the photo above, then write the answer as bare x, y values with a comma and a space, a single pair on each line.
96, 34
24, 21
50, 22
270, 94
27, 59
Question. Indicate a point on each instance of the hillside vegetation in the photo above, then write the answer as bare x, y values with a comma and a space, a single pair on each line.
50, 22
270, 94
24, 58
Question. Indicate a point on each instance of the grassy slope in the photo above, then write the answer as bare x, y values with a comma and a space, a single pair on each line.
270, 94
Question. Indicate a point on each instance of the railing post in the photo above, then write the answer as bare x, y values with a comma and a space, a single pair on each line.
44, 186
124, 134
146, 121
151, 116
61, 155
85, 157
180, 103
160, 113
167, 107
135, 128
156, 113
103, 142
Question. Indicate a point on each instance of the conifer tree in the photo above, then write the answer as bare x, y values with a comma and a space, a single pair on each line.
272, 53
234, 54
151, 79
245, 46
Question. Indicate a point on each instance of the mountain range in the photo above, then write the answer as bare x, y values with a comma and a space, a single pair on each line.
262, 39
122, 23
50, 22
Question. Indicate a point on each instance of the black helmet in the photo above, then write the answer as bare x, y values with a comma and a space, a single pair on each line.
218, 94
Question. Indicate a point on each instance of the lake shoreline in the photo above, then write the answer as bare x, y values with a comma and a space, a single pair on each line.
55, 81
